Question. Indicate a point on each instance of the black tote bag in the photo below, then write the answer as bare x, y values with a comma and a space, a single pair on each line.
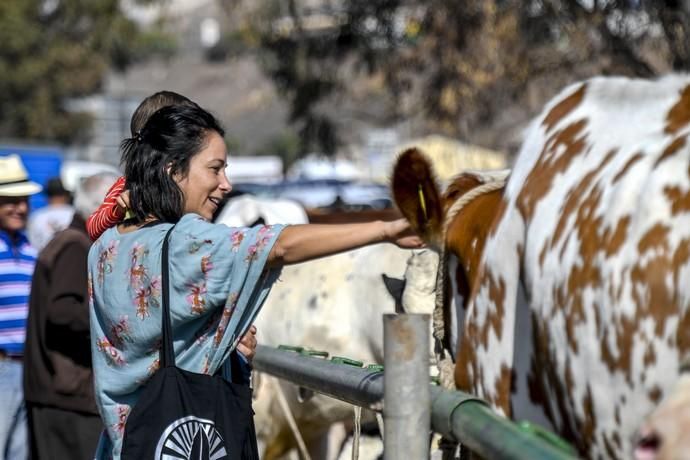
185, 415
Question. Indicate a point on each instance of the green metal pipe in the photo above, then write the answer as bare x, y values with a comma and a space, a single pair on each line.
454, 414
467, 419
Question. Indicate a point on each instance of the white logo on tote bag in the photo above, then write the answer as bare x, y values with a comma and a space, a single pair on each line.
191, 438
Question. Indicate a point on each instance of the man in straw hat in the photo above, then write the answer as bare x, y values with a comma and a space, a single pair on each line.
17, 260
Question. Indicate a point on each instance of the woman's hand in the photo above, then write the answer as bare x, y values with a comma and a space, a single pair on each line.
247, 345
401, 234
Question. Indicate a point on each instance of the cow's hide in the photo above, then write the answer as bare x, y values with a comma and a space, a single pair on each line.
581, 309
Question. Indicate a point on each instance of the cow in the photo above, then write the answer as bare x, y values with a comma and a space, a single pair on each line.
578, 315
456, 223
334, 304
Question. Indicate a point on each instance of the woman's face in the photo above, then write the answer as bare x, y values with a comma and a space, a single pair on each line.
206, 183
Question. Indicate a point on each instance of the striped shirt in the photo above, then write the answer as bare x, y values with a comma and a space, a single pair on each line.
108, 213
17, 261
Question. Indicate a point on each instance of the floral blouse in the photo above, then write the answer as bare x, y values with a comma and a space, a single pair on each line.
217, 286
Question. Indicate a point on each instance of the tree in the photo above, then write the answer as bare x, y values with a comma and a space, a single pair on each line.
55, 50
458, 66
308, 60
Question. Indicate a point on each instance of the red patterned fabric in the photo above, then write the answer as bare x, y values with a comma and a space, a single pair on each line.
108, 213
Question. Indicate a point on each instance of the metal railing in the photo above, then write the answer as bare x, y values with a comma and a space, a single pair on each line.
454, 414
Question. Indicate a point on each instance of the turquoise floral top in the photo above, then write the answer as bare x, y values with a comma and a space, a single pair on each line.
217, 286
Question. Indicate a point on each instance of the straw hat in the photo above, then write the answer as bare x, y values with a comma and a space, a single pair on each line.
14, 180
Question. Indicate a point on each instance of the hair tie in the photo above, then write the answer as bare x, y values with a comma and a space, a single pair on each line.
137, 136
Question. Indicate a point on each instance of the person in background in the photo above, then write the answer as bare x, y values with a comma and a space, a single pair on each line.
56, 216
58, 381
112, 211
17, 260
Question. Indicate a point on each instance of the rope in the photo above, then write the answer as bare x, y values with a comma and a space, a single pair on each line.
290, 417
446, 371
444, 362
357, 432
379, 422
439, 327
496, 183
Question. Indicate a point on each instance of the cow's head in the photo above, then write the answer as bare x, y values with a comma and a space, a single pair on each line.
457, 220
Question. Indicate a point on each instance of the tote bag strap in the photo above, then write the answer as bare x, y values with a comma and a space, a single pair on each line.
167, 353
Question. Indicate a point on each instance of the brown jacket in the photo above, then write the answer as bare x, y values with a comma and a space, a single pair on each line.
57, 355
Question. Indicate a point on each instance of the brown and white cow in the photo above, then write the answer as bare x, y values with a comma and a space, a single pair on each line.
456, 222
580, 309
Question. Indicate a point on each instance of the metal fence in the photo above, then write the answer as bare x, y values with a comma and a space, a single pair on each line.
454, 414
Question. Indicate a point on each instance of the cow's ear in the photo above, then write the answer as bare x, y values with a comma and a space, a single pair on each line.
395, 287
416, 193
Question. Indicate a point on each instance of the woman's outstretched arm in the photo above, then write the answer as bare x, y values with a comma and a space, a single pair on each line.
299, 243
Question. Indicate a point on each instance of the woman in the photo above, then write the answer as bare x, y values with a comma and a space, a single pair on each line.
220, 276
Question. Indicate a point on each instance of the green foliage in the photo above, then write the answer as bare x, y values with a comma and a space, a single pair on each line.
304, 54
54, 51
154, 42
455, 64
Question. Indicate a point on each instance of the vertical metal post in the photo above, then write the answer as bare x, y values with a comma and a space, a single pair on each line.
406, 390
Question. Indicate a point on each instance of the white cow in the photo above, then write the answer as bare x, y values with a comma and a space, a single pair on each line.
334, 304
